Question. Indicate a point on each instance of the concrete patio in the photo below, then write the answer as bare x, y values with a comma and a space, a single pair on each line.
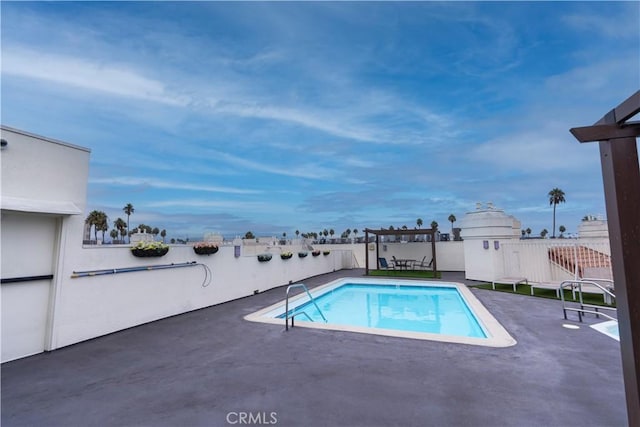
205, 368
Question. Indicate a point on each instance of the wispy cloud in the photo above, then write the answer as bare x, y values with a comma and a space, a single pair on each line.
187, 204
102, 77
309, 171
132, 181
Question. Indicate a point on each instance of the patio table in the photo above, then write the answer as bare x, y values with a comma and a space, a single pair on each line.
404, 263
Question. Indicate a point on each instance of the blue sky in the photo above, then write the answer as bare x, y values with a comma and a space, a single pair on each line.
283, 116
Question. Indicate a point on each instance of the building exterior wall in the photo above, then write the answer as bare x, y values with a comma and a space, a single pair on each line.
43, 197
484, 231
39, 168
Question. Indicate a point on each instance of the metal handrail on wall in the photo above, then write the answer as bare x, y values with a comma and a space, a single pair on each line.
292, 317
26, 279
585, 308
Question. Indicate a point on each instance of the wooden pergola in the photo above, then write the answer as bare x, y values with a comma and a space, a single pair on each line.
621, 176
407, 232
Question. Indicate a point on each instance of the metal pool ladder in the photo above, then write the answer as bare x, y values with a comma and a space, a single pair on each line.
586, 308
287, 316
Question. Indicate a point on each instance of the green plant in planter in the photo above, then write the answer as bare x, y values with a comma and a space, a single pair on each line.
149, 249
205, 248
302, 254
264, 257
286, 255
326, 252
315, 253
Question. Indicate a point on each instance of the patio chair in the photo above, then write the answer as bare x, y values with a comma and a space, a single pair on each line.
422, 264
382, 262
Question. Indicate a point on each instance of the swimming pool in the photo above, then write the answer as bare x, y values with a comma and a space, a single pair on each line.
436, 311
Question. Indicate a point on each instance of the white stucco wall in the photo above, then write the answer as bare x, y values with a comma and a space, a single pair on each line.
43, 198
98, 305
36, 168
491, 225
593, 229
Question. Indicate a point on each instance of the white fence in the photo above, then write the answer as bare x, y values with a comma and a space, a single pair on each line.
557, 260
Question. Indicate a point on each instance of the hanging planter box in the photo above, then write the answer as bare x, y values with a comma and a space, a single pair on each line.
145, 253
205, 250
264, 257
286, 255
149, 249
315, 253
325, 253
302, 254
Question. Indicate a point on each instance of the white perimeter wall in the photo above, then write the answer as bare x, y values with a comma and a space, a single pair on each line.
92, 306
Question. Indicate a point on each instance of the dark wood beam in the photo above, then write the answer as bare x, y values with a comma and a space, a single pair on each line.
623, 112
605, 132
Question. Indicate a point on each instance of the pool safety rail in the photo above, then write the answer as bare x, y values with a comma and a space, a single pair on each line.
576, 286
92, 273
293, 315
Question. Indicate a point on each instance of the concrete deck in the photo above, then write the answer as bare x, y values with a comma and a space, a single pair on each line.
203, 367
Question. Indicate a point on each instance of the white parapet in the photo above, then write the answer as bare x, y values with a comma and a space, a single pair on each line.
489, 222
593, 228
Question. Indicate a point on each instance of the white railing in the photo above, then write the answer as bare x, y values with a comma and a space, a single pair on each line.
557, 260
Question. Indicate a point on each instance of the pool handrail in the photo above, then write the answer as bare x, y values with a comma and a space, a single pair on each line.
286, 317
592, 282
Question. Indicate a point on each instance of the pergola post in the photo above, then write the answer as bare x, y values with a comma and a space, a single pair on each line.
366, 252
621, 178
433, 250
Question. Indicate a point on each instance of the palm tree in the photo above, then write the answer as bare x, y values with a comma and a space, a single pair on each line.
297, 233
155, 232
562, 229
528, 230
120, 225
452, 219
92, 220
544, 233
128, 209
99, 221
555, 196
332, 232
355, 233
123, 233
163, 234
104, 224
523, 233
113, 234
434, 225
419, 222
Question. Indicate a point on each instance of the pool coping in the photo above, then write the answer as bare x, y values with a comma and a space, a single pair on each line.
497, 334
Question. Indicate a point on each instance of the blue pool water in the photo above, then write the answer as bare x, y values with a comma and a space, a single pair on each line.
430, 309
609, 328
